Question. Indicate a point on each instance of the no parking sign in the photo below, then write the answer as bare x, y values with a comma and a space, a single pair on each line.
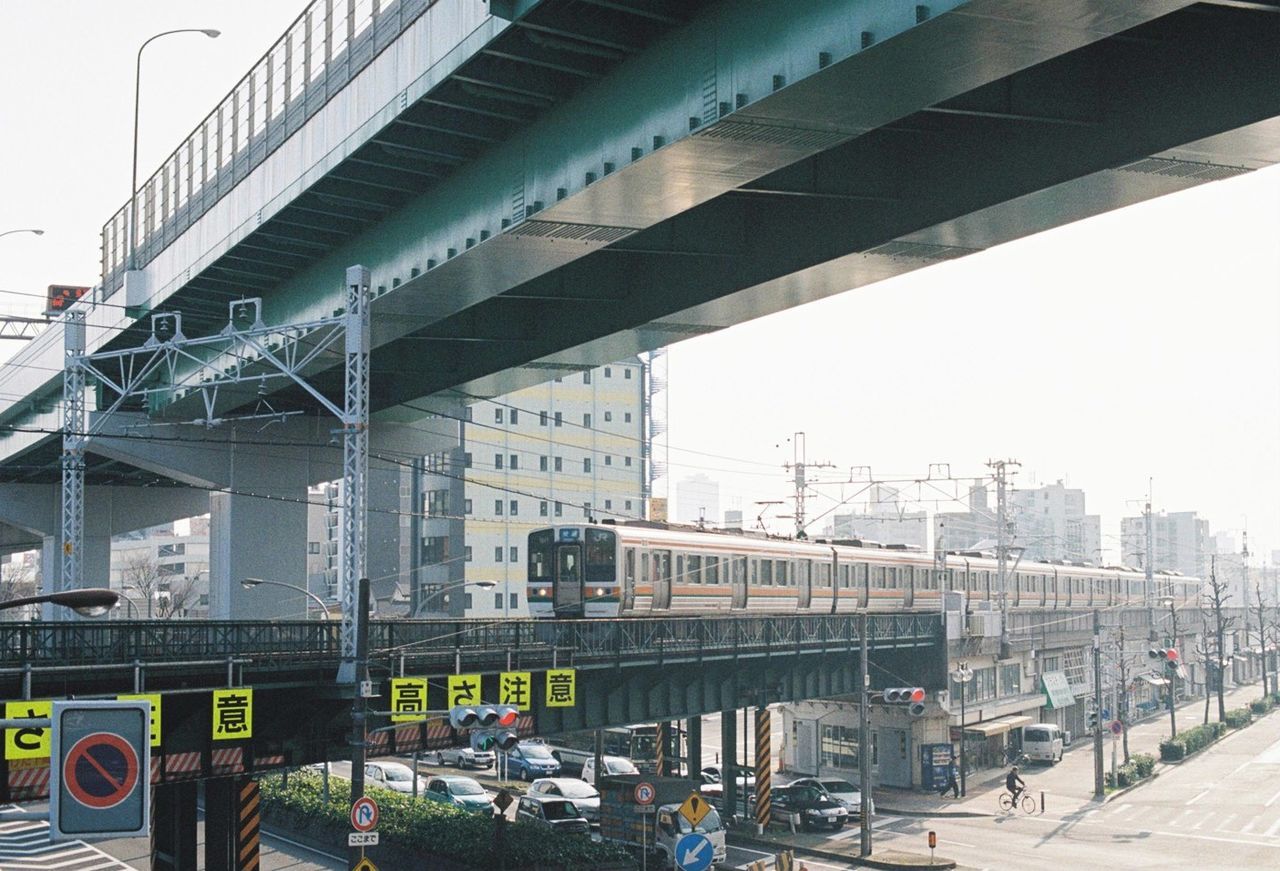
100, 779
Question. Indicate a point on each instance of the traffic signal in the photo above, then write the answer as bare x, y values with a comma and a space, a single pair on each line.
913, 697
1093, 719
493, 727
1168, 656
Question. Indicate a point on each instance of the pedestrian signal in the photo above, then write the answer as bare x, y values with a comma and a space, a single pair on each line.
913, 697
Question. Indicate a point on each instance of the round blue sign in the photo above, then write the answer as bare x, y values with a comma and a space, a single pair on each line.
694, 852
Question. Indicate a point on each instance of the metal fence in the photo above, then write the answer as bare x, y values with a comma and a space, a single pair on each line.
324, 49
121, 643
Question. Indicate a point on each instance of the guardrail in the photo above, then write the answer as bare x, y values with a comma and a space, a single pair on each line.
324, 49
123, 643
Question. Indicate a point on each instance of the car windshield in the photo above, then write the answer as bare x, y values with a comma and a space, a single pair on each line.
577, 789
399, 774
620, 766
535, 751
838, 786
560, 810
465, 787
710, 823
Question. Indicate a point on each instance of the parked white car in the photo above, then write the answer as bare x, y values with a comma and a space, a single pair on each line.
842, 792
1042, 743
393, 776
465, 757
613, 765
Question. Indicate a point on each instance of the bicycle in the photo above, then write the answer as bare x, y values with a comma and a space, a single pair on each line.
1026, 802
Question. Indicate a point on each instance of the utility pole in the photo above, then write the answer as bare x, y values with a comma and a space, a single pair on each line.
1244, 594
1122, 695
1149, 559
1001, 468
1099, 782
864, 743
799, 468
1262, 639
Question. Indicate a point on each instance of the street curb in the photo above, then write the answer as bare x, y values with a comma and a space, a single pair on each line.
882, 810
1131, 787
868, 862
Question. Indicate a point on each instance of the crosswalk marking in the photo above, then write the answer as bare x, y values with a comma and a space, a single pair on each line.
25, 846
1223, 825
1273, 829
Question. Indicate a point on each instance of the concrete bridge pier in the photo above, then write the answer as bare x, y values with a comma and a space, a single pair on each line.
173, 827
728, 752
693, 745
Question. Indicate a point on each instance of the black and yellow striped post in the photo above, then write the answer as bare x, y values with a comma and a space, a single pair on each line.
764, 760
250, 825
660, 748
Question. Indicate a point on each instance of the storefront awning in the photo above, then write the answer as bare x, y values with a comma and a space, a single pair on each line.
1153, 680
1000, 725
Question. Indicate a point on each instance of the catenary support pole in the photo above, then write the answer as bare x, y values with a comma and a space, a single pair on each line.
864, 740
355, 459
73, 439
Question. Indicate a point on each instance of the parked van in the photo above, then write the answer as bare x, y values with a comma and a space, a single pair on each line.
1042, 743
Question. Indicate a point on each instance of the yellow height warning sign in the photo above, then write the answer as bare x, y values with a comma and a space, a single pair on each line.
464, 689
515, 688
562, 687
155, 700
232, 714
408, 699
29, 743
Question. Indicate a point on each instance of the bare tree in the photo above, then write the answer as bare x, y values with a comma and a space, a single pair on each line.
1215, 598
142, 573
1205, 651
1123, 667
17, 579
1262, 637
176, 594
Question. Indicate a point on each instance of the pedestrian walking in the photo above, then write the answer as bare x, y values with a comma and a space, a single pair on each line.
953, 785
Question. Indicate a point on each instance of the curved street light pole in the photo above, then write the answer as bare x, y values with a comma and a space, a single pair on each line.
250, 583
962, 676
86, 602
137, 97
24, 230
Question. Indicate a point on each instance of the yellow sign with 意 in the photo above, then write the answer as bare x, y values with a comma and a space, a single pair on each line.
28, 743
155, 700
562, 687
232, 714
695, 807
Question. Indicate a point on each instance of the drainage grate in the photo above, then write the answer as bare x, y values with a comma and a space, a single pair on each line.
1171, 168
571, 232
921, 250
741, 130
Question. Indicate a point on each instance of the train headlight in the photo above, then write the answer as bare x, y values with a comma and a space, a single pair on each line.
599, 591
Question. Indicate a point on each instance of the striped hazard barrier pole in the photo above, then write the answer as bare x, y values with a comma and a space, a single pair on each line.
660, 749
250, 825
764, 756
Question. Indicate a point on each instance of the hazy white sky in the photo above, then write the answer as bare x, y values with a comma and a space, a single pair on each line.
1139, 344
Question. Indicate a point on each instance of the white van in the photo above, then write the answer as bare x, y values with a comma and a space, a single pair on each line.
1042, 743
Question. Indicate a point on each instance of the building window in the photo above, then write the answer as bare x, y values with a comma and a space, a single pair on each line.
497, 461
542, 418
437, 503
177, 548
513, 554
497, 415
559, 464
608, 372
608, 505
626, 417
466, 553
627, 462
497, 601
559, 419
514, 415
313, 547
1011, 680
466, 601
981, 689
559, 509
466, 460
171, 569
468, 413
497, 507
514, 461
434, 549
608, 460
586, 377
466, 506
586, 509
514, 507
839, 746
628, 504
608, 416
497, 554
542, 509
515, 600
586, 464
586, 420
542, 464
626, 373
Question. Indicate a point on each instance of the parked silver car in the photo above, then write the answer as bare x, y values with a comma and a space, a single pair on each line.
557, 814
583, 795
465, 757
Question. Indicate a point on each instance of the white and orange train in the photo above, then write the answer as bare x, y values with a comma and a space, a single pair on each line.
642, 569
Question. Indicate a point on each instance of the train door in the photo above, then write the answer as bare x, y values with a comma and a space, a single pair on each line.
1055, 588
628, 580
803, 575
835, 579
862, 578
737, 569
568, 580
907, 581
661, 580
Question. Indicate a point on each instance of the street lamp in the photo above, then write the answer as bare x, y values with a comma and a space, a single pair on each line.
137, 93
250, 583
10, 232
86, 603
962, 676
443, 592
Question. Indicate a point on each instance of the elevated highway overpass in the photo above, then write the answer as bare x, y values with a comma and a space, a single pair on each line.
540, 185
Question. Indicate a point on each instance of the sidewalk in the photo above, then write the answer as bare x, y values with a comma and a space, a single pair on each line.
1067, 786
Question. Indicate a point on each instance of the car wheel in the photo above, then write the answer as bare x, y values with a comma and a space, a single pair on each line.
527, 776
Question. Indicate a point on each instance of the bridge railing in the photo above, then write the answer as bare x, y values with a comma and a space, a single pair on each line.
316, 642
326, 46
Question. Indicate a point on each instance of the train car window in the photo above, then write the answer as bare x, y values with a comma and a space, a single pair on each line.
644, 569
662, 565
694, 565
602, 556
713, 570
629, 565
737, 569
891, 578
877, 577
780, 572
755, 571
540, 544
680, 576
824, 575
844, 576
766, 572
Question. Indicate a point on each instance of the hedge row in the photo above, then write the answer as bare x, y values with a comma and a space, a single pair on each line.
1238, 718
1139, 766
1191, 740
428, 828
1265, 704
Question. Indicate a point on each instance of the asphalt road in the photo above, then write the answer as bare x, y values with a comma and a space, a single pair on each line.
276, 853
1220, 809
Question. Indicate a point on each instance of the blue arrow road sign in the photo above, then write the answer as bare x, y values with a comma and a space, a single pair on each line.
694, 852
1106, 713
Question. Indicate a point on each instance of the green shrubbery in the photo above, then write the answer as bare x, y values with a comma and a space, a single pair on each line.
1262, 705
1191, 740
428, 828
1140, 765
1238, 718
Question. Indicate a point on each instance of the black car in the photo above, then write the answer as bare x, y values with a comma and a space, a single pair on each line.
815, 809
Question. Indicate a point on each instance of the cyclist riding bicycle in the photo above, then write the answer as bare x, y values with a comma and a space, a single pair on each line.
1014, 784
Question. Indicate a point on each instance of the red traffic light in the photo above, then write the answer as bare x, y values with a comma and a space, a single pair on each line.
507, 716
917, 695
1171, 655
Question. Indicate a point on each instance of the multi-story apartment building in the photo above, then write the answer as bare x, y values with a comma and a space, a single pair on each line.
1179, 541
1051, 524
565, 451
